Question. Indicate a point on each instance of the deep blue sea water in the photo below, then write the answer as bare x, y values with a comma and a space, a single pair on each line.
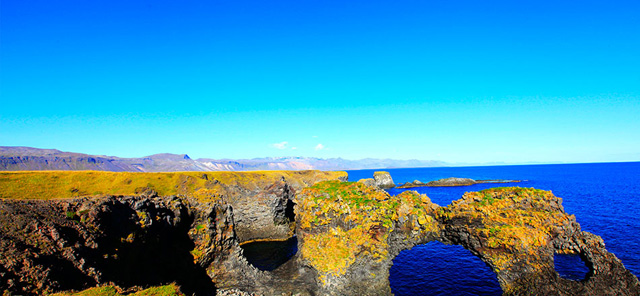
605, 197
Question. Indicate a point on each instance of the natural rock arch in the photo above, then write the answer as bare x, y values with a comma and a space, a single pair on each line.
514, 230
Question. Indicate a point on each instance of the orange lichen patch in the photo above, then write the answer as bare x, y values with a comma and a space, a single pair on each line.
196, 254
206, 186
342, 220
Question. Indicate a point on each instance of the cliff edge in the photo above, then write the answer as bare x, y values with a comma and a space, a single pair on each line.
189, 230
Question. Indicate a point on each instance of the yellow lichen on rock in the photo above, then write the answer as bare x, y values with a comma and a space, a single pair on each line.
206, 186
342, 221
514, 228
166, 290
520, 222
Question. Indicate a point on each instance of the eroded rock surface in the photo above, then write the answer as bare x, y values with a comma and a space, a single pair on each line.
129, 241
132, 242
516, 231
348, 235
383, 180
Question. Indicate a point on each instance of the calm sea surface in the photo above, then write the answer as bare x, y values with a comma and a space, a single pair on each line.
605, 197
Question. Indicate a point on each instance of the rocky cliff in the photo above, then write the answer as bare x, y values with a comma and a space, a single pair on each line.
159, 228
187, 228
516, 231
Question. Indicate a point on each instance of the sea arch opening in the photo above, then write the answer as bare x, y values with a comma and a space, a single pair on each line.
572, 266
438, 269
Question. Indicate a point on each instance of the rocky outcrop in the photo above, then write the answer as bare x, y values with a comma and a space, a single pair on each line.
348, 235
265, 214
383, 180
413, 184
516, 231
451, 182
368, 181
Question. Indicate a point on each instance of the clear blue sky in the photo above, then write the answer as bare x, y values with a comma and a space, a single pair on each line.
459, 81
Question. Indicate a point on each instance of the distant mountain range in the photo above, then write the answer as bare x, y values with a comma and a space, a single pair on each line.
27, 158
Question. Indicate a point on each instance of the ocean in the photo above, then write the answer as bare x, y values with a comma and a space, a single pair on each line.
604, 197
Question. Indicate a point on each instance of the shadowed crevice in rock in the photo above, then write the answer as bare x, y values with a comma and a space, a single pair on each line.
148, 245
127, 241
289, 211
269, 255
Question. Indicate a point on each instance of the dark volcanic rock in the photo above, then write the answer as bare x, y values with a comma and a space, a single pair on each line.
452, 182
266, 213
50, 246
461, 182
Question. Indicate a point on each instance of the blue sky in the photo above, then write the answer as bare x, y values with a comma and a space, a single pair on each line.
459, 81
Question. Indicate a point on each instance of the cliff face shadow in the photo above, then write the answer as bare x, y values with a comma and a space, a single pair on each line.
153, 254
289, 212
442, 270
269, 255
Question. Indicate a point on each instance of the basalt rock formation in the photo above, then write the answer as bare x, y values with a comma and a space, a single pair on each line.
348, 234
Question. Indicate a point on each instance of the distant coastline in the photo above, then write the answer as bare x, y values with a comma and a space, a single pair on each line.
16, 158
